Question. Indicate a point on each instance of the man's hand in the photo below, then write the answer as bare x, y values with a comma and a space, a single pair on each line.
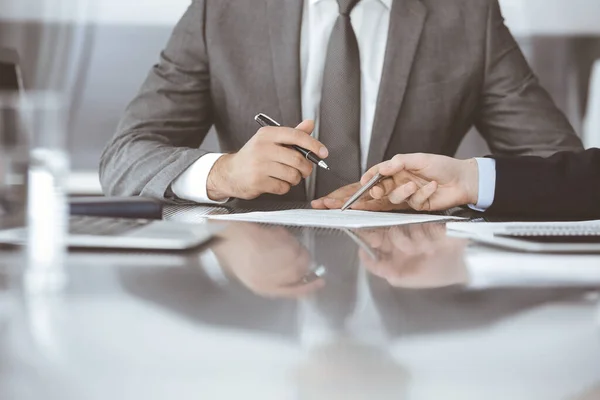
264, 164
452, 182
337, 199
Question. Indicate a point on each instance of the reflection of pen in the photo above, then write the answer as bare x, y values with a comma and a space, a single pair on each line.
264, 121
362, 191
312, 276
362, 244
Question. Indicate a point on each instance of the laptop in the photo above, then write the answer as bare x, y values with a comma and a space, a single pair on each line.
101, 232
126, 234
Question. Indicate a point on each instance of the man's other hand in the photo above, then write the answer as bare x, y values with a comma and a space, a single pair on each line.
337, 199
265, 164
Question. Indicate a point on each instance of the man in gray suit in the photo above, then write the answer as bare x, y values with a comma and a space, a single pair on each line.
379, 77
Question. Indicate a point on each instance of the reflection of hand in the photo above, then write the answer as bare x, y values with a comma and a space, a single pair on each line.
269, 261
416, 256
337, 199
442, 183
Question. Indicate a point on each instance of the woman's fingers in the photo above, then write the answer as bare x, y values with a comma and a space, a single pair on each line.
420, 200
403, 193
384, 187
387, 168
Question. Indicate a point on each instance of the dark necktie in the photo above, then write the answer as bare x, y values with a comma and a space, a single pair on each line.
339, 125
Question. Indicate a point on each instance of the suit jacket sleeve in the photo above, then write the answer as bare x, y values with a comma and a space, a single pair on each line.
163, 127
566, 185
516, 115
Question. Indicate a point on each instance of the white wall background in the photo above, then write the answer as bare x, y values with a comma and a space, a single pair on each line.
139, 12
525, 17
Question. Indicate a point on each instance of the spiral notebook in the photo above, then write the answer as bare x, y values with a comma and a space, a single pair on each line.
550, 230
559, 237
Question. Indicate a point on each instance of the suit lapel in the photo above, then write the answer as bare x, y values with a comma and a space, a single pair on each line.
406, 25
285, 22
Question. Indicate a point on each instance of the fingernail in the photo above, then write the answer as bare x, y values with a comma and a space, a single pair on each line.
323, 152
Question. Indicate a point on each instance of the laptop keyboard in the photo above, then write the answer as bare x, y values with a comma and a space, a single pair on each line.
95, 226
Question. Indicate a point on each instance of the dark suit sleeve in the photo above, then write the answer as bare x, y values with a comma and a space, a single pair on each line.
516, 115
566, 185
163, 127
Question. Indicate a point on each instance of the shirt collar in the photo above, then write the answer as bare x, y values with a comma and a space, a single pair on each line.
387, 3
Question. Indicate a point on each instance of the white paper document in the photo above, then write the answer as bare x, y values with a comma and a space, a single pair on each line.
333, 218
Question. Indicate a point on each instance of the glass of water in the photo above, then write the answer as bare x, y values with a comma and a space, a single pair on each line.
33, 182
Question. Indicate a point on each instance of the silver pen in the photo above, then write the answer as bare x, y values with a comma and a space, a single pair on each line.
374, 181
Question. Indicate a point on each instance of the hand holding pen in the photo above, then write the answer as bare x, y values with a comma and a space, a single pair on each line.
265, 121
267, 163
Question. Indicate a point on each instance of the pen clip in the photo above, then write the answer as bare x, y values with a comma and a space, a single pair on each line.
264, 120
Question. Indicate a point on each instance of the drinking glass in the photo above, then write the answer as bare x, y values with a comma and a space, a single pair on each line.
13, 165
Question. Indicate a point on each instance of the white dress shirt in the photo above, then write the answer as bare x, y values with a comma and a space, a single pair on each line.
370, 19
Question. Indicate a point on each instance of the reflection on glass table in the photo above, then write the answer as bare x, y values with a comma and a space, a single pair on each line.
174, 327
415, 256
270, 261
347, 369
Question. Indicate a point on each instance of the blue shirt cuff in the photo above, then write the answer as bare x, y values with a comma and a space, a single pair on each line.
487, 184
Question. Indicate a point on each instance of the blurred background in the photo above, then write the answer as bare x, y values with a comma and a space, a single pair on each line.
98, 52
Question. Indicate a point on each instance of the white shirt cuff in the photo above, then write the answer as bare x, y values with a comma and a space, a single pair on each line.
191, 184
212, 267
487, 184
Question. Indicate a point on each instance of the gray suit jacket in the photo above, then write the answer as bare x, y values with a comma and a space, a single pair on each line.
449, 65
